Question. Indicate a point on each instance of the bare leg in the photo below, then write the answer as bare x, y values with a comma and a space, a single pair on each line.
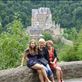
58, 75
40, 75
41, 67
50, 73
61, 73
58, 69
52, 78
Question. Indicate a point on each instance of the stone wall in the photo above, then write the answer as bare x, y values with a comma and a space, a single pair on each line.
24, 74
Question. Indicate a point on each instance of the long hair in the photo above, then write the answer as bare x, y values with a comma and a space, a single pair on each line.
33, 49
50, 42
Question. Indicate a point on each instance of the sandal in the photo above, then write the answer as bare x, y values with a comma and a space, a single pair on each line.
62, 80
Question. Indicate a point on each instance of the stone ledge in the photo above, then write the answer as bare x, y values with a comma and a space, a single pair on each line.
24, 74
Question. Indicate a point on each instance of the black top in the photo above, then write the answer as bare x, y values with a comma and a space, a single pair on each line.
41, 53
55, 54
44, 53
30, 55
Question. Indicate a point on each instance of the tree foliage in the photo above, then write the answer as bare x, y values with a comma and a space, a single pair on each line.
70, 34
47, 36
12, 44
73, 53
68, 13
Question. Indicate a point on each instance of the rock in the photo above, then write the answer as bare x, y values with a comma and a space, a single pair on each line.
24, 74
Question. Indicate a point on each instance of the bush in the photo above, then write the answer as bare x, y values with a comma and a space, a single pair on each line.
68, 54
72, 53
47, 36
69, 57
12, 44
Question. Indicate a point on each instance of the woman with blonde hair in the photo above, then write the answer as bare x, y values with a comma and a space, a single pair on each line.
42, 57
53, 60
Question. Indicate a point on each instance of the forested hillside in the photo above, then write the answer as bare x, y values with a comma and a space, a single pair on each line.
66, 12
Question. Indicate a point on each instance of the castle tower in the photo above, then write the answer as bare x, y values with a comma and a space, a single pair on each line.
41, 18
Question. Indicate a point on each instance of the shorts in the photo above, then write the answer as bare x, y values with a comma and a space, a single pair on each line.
31, 62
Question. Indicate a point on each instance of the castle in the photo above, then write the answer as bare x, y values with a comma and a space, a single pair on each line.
41, 21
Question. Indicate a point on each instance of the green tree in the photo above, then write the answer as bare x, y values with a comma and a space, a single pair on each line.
12, 44
73, 53
47, 36
70, 34
67, 13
